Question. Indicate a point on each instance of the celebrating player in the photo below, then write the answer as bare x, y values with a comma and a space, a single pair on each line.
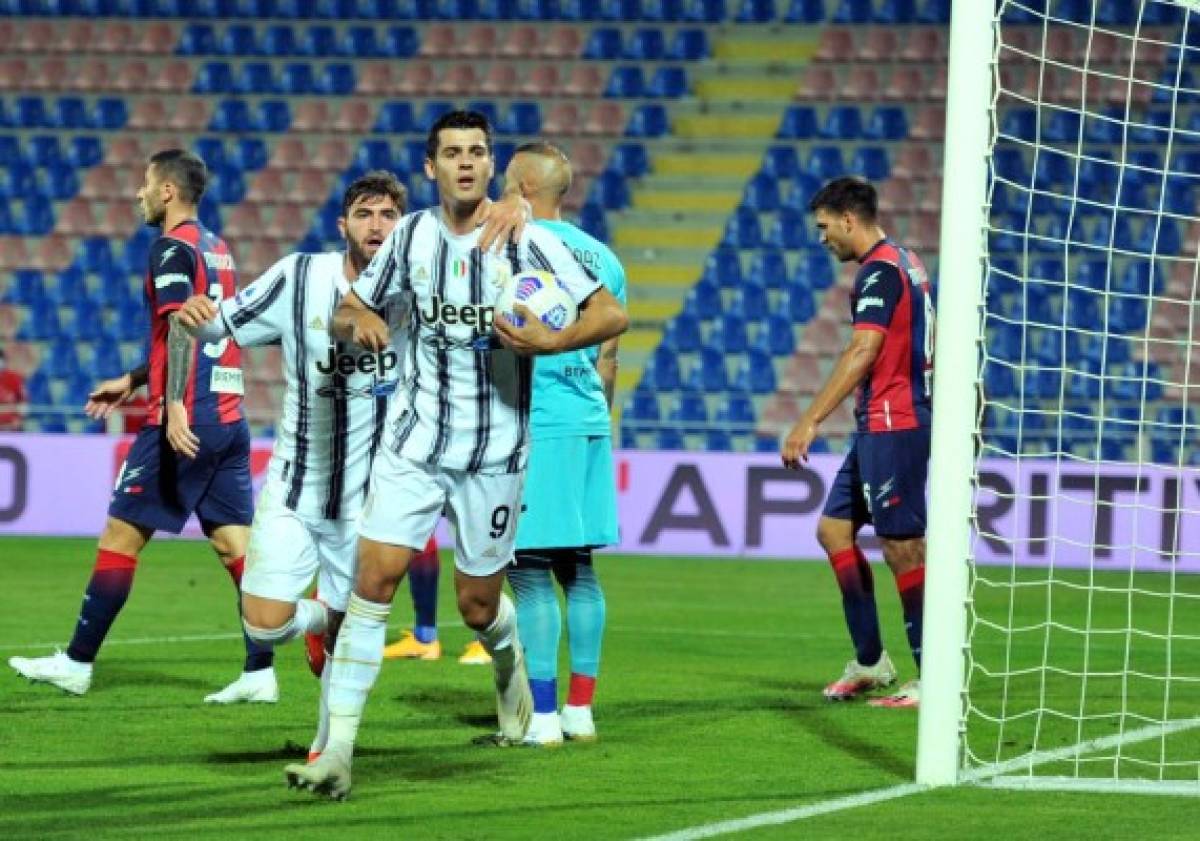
566, 513
457, 431
890, 361
193, 455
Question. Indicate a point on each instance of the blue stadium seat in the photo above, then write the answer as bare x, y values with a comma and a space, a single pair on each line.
1062, 127
888, 122
665, 367
935, 12
723, 269
804, 187
1162, 237
797, 304
842, 122
738, 408
852, 11
703, 300
718, 441
374, 154
620, 10
662, 11
214, 77
592, 220
30, 112
422, 193
894, 12
62, 181
111, 113
704, 11
45, 150
642, 406
816, 270
1106, 126
780, 162
756, 11
610, 191
645, 44
238, 40
668, 83
1020, 123
430, 113
1138, 278
337, 79
360, 42
11, 152
1010, 164
603, 44
395, 117
629, 159
871, 161
749, 303
233, 116
400, 42
539, 10
669, 439
296, 79
279, 41
71, 113
768, 269
41, 323
755, 373
579, 9
709, 375
27, 287
319, 41
274, 115
522, 118
688, 45
37, 389
682, 334
743, 229
761, 193
626, 82
411, 156
211, 150
489, 109
132, 320
250, 155
648, 121
95, 255
825, 162
197, 39
805, 11
790, 230
62, 360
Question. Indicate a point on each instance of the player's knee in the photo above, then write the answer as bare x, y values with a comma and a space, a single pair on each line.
266, 613
269, 636
478, 613
834, 535
903, 554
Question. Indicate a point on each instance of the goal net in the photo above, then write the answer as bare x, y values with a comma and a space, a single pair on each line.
1083, 621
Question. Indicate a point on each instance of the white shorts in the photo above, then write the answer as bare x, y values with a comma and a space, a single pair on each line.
287, 550
406, 498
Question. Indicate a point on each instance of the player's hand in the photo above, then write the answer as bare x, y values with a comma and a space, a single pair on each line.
107, 396
795, 446
532, 339
196, 311
370, 331
504, 220
179, 434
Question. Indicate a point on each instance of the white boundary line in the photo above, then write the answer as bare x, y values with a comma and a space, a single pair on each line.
989, 776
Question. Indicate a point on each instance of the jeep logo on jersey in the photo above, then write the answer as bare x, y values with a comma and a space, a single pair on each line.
469, 315
358, 363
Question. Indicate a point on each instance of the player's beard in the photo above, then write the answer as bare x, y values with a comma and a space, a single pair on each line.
359, 258
154, 216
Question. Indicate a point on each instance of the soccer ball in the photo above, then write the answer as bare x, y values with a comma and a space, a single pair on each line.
545, 296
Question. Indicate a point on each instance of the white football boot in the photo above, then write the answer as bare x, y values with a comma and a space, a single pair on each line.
544, 731
328, 774
514, 701
57, 669
857, 679
258, 687
577, 724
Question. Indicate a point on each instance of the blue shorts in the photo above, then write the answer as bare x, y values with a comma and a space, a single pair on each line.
882, 481
570, 498
159, 490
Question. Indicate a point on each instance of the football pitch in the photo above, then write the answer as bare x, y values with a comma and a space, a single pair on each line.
709, 709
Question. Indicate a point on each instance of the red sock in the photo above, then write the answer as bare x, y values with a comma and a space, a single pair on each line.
583, 687
235, 571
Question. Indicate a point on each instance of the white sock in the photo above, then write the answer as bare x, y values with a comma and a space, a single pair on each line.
311, 617
500, 640
318, 742
356, 661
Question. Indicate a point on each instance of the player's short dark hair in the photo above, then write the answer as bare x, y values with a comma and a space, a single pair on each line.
461, 120
185, 170
377, 182
848, 194
549, 150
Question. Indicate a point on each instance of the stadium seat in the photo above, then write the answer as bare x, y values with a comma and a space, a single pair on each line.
755, 11
825, 162
743, 230
888, 122
738, 409
592, 220
197, 39
336, 79
319, 41
790, 230
852, 11
626, 82
610, 191
709, 375
842, 122
663, 11
646, 44
604, 44
871, 161
688, 45
755, 374
815, 271
682, 334
805, 12
274, 115
768, 269
704, 11
214, 77
761, 193
400, 42
797, 304
238, 40
523, 118
647, 121
668, 83
629, 159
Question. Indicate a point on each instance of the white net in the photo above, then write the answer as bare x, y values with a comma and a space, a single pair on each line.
1083, 662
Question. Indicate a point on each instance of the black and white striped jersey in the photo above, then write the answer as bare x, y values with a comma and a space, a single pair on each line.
463, 402
336, 393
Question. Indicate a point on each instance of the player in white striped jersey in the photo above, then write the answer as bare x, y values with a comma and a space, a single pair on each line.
457, 429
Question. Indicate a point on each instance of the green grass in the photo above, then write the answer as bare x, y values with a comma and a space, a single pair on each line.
709, 708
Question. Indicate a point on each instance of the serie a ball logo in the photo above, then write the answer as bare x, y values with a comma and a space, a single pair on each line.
544, 294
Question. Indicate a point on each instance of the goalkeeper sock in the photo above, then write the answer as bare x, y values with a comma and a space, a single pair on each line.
258, 656
911, 585
111, 581
355, 667
423, 575
540, 622
858, 603
586, 610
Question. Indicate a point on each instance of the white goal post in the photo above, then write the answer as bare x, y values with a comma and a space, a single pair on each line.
1061, 641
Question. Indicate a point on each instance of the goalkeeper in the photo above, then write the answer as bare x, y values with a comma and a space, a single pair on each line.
889, 361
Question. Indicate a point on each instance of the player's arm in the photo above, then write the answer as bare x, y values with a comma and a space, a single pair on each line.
257, 315
505, 219
354, 321
606, 367
109, 394
172, 276
356, 318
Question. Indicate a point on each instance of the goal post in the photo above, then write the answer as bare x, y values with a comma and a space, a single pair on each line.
1062, 600
956, 374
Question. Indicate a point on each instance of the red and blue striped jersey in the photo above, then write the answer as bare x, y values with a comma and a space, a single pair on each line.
185, 261
892, 295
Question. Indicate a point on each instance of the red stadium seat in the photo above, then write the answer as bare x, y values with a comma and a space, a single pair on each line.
416, 80
48, 74
289, 154
8, 36
1019, 39
77, 37
879, 44
13, 73
562, 118
778, 413
311, 115
587, 158
936, 88
10, 319
375, 79
438, 41
862, 84
14, 253
332, 155
564, 43
35, 36
124, 150
837, 45
605, 118
244, 221
158, 38
896, 195
924, 45
480, 43
117, 219
255, 257
501, 80
267, 187
53, 253
91, 75
520, 42
76, 218
149, 114
1056, 41
116, 37
133, 76
904, 84
931, 195
23, 357
801, 374
586, 81
174, 77
819, 84
458, 80
189, 115
289, 222
101, 182
543, 81
822, 334
353, 116
308, 185
576, 197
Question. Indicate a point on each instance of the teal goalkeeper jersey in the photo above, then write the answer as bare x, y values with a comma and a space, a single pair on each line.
568, 395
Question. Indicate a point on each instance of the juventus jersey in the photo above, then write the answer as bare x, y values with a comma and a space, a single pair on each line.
463, 402
336, 393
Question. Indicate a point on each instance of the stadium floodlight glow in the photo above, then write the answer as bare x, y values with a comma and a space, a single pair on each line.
1062, 600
